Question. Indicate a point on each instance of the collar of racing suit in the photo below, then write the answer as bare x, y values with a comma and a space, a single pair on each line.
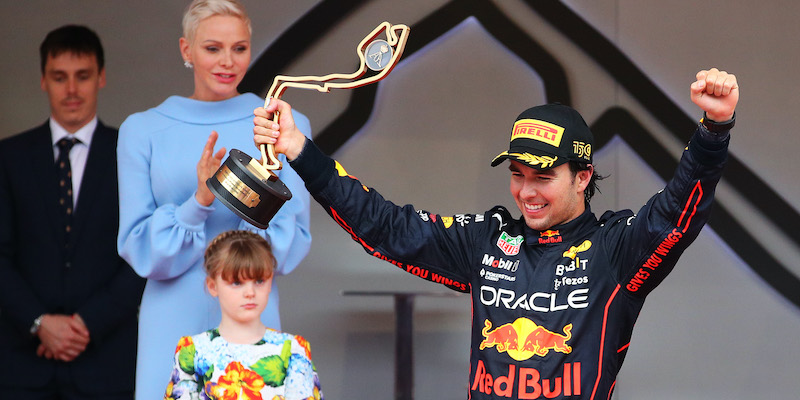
567, 232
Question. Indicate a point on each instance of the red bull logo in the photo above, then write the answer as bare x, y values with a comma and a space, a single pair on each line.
535, 129
527, 383
550, 236
541, 341
522, 339
504, 337
549, 233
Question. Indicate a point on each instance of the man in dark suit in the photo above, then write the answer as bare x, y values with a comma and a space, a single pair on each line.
68, 302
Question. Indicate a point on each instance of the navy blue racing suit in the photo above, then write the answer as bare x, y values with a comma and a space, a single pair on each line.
553, 310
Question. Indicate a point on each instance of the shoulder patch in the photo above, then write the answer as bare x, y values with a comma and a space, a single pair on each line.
510, 245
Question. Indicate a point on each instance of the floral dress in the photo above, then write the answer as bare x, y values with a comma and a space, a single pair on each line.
278, 367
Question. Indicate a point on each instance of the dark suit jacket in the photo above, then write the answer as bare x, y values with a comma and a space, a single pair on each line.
38, 276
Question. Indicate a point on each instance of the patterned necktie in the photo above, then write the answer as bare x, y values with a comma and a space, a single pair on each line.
65, 183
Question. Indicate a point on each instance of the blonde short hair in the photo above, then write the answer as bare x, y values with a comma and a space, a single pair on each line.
199, 10
238, 256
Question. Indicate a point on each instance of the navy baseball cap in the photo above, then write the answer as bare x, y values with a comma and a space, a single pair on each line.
547, 136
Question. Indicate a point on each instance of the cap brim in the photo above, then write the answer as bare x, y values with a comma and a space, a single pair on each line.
540, 162
499, 159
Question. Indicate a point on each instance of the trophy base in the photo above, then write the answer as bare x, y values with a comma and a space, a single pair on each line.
246, 191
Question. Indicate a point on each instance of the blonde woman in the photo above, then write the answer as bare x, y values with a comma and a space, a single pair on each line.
168, 215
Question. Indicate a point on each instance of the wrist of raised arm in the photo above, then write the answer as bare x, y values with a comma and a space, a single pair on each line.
313, 166
717, 124
297, 148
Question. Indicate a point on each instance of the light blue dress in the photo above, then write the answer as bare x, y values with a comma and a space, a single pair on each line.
164, 231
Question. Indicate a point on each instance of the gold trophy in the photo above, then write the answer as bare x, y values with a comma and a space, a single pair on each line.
251, 189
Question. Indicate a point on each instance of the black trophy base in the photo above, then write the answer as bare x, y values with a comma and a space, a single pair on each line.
247, 191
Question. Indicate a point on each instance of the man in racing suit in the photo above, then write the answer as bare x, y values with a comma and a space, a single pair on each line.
556, 293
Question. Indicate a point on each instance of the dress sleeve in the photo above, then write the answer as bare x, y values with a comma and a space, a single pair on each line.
302, 381
183, 384
158, 242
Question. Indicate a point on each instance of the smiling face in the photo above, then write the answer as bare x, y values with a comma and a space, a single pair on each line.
549, 197
241, 301
220, 53
72, 82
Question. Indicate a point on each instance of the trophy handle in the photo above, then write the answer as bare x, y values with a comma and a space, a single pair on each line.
269, 160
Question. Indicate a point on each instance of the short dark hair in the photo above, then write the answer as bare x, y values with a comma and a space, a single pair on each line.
76, 39
592, 187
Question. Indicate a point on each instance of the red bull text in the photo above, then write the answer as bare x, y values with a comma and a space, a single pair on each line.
550, 236
529, 383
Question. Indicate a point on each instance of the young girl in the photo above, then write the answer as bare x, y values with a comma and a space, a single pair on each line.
242, 358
